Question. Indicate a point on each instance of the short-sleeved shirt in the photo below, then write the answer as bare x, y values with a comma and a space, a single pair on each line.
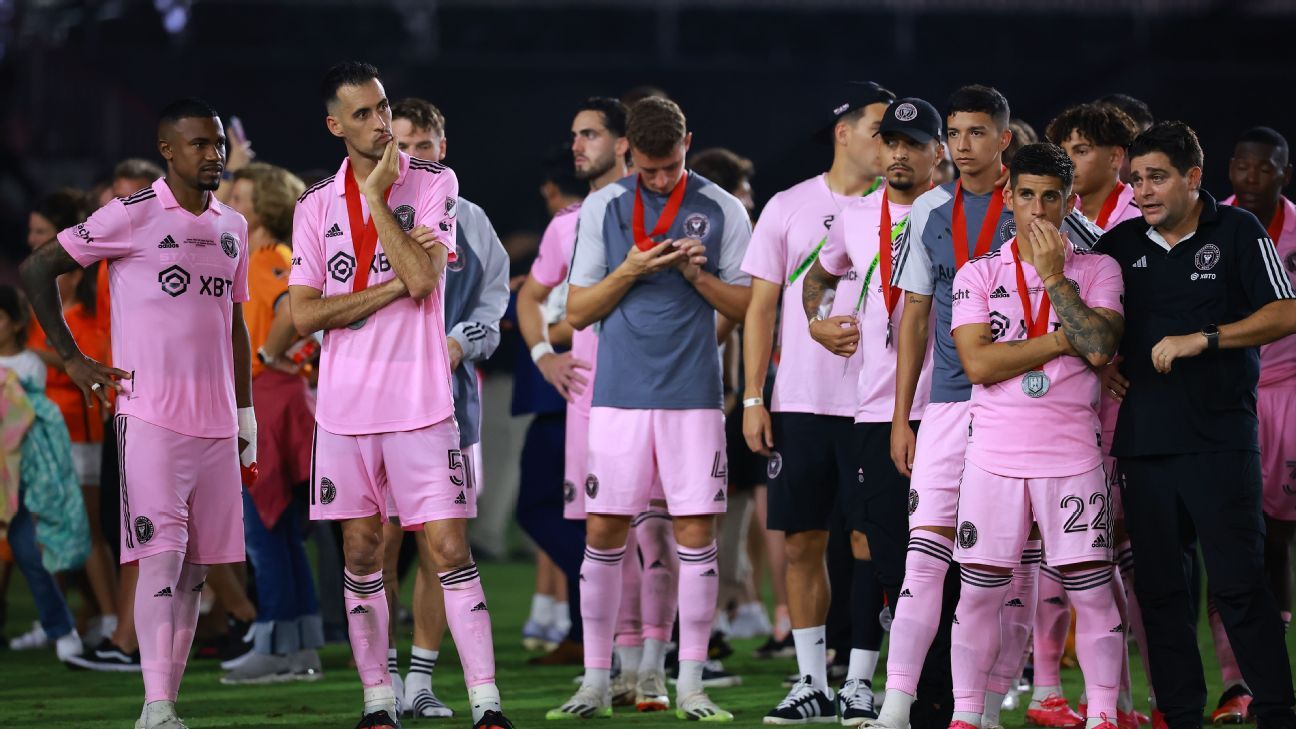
550, 269
1221, 273
267, 283
791, 228
1278, 359
391, 372
853, 245
657, 348
1013, 433
926, 265
175, 278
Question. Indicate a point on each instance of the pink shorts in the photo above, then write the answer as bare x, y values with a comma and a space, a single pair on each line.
1276, 406
424, 471
938, 464
629, 450
995, 514
472, 463
179, 494
574, 464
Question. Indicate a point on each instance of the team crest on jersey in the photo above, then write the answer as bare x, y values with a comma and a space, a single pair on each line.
143, 529
328, 491
451, 207
775, 465
967, 535
569, 492
405, 216
913, 501
591, 486
175, 280
1207, 257
906, 112
342, 266
229, 244
697, 226
1007, 229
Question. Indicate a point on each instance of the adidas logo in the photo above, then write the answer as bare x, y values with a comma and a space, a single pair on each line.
710, 573
999, 293
168, 242
199, 587
1140, 263
164, 592
720, 496
1055, 601
359, 610
657, 565
460, 500
333, 232
905, 593
819, 642
1117, 629
1100, 541
478, 608
1014, 603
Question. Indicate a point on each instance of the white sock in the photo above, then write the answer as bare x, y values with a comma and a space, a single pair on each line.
630, 656
812, 654
107, 625
654, 657
393, 663
862, 665
562, 615
542, 609
483, 698
690, 678
895, 709
969, 717
993, 705
1043, 692
379, 698
1094, 721
598, 678
422, 663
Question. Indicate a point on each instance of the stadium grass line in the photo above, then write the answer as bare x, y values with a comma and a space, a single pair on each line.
35, 690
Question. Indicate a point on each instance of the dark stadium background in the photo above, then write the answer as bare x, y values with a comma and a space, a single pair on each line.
81, 79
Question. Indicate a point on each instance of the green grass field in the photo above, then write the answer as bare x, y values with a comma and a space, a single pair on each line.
37, 691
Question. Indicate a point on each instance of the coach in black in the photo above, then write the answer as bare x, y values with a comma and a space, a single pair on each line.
1203, 290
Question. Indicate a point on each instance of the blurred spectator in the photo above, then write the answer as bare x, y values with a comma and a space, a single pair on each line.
1022, 134
728, 170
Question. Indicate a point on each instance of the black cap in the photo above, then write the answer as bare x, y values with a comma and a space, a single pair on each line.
851, 96
913, 118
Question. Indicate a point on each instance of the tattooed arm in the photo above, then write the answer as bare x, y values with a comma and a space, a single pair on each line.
1093, 333
837, 334
986, 361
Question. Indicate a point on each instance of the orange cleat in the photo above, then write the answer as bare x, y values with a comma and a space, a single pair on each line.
1233, 706
1055, 713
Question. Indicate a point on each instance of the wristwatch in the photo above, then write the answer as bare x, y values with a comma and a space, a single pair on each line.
1211, 332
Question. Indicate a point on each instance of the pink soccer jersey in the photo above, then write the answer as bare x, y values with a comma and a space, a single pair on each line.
391, 371
810, 379
175, 278
550, 269
1278, 360
1013, 433
853, 244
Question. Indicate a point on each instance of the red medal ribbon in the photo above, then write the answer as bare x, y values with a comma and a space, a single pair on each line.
1276, 225
644, 241
364, 234
890, 295
1109, 205
1039, 325
958, 225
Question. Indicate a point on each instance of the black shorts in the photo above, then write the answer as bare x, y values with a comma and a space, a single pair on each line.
746, 469
878, 504
812, 464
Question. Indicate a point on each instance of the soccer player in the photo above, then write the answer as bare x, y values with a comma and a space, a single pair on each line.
385, 419
178, 261
1095, 138
656, 411
808, 439
1204, 289
1033, 453
947, 226
476, 296
862, 239
1259, 170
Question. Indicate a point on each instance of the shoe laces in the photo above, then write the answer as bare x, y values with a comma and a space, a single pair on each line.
587, 696
1053, 701
802, 692
856, 694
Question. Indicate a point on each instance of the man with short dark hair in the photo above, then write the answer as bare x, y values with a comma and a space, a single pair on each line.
184, 407
1204, 289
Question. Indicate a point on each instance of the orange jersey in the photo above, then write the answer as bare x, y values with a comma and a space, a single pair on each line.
267, 280
84, 424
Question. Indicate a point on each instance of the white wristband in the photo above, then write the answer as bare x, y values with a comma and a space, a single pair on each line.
753, 402
247, 430
541, 350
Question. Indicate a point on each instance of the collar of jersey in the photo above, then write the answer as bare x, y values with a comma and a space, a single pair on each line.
168, 200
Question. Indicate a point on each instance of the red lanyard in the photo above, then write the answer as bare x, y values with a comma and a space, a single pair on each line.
890, 295
1109, 206
1276, 225
1039, 325
644, 241
364, 235
989, 224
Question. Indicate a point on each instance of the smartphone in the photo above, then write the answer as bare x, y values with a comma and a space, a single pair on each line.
236, 128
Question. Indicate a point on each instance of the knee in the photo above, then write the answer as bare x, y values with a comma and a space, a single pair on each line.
606, 532
805, 549
363, 550
694, 532
448, 551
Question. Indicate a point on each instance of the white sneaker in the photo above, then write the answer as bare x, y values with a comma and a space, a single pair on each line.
750, 621
623, 688
159, 715
305, 665
1010, 700
34, 639
398, 687
426, 705
650, 693
262, 668
68, 646
697, 706
586, 703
